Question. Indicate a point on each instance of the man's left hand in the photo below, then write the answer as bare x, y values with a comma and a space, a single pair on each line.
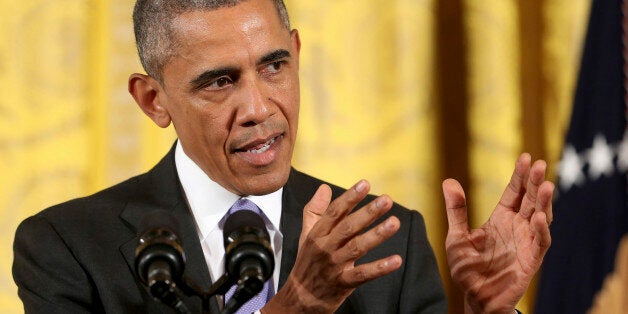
494, 264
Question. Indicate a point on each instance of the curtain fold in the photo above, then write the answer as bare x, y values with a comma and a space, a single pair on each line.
404, 93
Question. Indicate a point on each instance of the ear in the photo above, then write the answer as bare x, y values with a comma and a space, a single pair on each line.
147, 94
296, 41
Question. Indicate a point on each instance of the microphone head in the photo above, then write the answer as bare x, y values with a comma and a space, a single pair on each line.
243, 219
247, 243
158, 240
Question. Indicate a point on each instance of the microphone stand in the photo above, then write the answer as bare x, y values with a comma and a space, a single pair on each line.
221, 286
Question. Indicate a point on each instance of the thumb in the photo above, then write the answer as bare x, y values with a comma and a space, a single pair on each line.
456, 205
314, 209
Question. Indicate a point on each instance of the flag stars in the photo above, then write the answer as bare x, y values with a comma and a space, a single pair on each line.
600, 158
570, 169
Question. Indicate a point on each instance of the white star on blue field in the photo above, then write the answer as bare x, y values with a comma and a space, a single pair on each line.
603, 159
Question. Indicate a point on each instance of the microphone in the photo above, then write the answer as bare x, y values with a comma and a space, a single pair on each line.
248, 255
159, 258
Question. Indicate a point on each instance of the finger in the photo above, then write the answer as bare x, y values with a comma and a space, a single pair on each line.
342, 205
366, 272
537, 176
314, 209
456, 204
542, 238
511, 198
357, 221
544, 200
358, 246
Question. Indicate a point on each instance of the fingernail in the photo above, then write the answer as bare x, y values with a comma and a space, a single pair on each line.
360, 186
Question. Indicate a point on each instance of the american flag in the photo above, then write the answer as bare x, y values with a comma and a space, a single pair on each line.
590, 213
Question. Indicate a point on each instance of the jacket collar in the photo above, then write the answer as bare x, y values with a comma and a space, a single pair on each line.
160, 188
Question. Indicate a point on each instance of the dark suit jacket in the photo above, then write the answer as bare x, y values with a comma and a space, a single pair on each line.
78, 256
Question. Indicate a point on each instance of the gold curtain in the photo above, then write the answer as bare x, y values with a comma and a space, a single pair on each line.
402, 92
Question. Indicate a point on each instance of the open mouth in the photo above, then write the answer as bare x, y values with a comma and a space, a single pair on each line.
261, 152
262, 147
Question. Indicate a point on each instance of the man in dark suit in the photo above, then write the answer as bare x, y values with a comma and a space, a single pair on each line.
225, 73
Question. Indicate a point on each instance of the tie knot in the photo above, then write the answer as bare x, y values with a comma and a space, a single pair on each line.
244, 204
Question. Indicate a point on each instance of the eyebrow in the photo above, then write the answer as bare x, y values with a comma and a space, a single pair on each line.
274, 56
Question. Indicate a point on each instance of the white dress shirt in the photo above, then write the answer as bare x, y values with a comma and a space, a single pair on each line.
209, 202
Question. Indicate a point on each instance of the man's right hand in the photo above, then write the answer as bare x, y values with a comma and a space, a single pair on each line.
324, 273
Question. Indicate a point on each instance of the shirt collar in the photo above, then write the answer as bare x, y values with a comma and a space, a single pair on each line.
209, 201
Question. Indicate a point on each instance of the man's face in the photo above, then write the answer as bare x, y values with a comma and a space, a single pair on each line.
232, 92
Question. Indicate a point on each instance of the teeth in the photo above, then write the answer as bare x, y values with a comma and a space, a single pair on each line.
263, 148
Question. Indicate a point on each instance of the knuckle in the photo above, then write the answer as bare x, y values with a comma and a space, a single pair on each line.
333, 211
513, 187
316, 244
531, 196
345, 229
360, 275
353, 249
372, 208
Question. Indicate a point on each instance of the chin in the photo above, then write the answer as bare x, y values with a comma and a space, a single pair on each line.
265, 184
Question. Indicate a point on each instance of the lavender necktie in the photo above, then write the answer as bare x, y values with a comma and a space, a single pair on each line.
258, 301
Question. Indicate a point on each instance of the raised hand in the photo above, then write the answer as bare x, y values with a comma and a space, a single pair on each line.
324, 273
494, 264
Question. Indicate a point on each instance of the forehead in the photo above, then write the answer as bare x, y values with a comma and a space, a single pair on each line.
228, 27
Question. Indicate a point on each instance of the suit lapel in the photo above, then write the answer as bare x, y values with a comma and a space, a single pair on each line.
291, 224
160, 189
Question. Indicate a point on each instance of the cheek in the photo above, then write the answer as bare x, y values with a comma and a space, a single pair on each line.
215, 128
209, 128
287, 95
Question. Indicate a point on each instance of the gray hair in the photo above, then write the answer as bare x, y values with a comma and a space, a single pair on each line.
152, 23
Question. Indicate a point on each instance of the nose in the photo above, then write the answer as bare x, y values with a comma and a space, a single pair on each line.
255, 106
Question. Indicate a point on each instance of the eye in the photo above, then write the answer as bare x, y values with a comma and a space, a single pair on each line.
221, 82
274, 67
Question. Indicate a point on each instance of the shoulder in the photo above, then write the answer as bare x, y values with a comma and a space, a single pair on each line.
73, 219
111, 199
159, 186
